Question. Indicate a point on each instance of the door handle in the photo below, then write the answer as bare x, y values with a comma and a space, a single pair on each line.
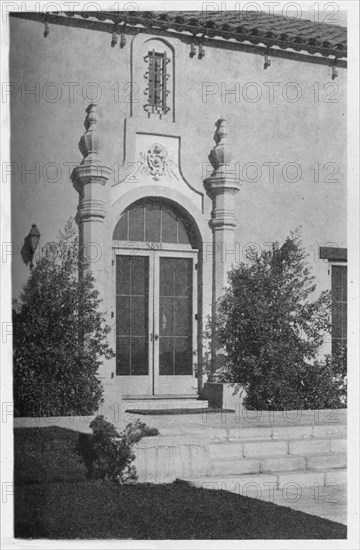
156, 337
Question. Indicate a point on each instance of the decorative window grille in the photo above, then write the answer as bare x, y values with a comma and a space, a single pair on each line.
157, 77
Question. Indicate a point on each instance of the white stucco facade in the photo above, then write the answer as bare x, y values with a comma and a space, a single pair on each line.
278, 167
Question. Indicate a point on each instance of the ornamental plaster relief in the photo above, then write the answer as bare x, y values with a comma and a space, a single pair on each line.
153, 161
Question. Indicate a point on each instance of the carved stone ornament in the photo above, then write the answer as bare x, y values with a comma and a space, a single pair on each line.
156, 163
91, 170
220, 154
90, 143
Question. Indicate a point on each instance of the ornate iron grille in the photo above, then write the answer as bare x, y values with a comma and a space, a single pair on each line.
157, 76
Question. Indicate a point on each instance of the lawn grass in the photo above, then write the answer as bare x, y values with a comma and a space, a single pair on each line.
54, 499
47, 455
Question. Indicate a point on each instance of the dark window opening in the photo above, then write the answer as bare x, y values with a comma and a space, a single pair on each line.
339, 307
157, 76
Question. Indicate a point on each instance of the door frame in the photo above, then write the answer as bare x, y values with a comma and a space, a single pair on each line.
151, 384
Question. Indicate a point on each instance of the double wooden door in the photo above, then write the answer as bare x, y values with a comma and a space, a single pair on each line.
155, 321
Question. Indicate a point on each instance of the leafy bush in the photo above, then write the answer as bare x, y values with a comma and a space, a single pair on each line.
324, 383
109, 454
60, 337
271, 330
137, 430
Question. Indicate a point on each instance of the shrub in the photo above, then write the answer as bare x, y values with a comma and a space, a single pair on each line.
271, 329
109, 454
324, 383
60, 336
137, 430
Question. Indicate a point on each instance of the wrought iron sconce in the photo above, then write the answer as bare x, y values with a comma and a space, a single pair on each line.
192, 50
46, 29
30, 245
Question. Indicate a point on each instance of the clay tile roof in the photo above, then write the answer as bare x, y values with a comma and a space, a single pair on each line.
255, 27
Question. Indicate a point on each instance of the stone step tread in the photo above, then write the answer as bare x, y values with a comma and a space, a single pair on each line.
163, 397
228, 458
278, 439
220, 433
229, 447
278, 464
134, 405
234, 449
287, 476
250, 476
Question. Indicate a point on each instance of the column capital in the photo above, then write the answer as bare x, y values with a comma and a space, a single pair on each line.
86, 173
224, 182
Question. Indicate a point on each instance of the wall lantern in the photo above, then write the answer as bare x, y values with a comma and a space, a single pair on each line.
30, 245
201, 51
192, 50
286, 254
288, 251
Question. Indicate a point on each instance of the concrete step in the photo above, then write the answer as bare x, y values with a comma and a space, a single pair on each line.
326, 461
257, 484
233, 466
286, 432
213, 447
270, 447
133, 405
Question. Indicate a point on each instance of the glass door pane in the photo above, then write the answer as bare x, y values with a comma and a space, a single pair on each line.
175, 316
132, 315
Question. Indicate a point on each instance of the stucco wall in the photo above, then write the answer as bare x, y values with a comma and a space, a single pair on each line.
45, 129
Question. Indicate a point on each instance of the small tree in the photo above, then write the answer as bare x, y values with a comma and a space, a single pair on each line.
60, 337
270, 330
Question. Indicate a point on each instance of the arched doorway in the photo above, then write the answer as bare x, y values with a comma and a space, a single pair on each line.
156, 247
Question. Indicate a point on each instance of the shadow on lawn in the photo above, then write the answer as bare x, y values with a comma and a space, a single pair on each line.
54, 499
170, 511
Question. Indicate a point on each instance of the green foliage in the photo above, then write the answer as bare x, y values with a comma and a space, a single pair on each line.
270, 329
109, 454
60, 336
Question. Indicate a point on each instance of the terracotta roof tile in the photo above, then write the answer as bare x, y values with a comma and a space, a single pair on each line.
285, 32
255, 27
